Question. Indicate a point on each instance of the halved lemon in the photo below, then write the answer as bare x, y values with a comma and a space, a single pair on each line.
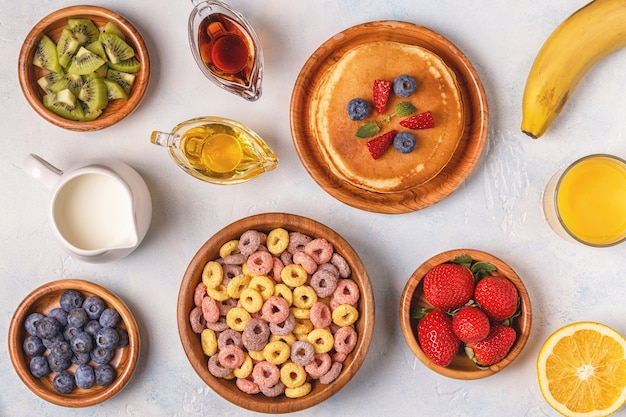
582, 370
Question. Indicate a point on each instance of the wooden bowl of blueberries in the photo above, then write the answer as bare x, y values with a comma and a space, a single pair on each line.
73, 343
84, 68
276, 313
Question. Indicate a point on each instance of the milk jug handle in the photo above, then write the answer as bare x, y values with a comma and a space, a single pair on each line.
41, 170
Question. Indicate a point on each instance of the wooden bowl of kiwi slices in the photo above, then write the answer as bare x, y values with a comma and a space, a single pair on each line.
84, 68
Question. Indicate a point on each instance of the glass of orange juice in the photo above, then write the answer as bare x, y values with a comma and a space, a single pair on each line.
586, 201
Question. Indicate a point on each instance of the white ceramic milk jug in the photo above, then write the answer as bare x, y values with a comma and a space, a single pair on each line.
100, 211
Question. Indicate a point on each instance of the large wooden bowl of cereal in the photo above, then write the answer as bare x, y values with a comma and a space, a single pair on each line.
276, 313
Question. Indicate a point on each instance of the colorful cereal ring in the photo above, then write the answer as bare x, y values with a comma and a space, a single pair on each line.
307, 262
275, 310
249, 242
345, 340
263, 284
304, 296
332, 374
251, 300
276, 352
294, 275
302, 352
321, 339
208, 341
298, 392
210, 310
196, 320
237, 318
293, 376
277, 241
320, 364
345, 315
260, 263
320, 249
265, 374
212, 274
229, 248
320, 315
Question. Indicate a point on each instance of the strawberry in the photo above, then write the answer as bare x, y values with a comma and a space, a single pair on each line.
497, 297
471, 324
436, 337
448, 286
419, 121
379, 145
493, 348
381, 92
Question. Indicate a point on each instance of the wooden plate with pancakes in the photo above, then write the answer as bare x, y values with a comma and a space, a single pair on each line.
315, 159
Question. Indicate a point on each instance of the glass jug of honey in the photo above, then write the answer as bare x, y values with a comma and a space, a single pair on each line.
217, 150
226, 48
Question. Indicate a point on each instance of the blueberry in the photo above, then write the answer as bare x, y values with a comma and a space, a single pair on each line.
33, 346
358, 109
47, 328
61, 349
69, 332
100, 355
58, 364
71, 299
92, 327
107, 338
105, 375
404, 142
94, 306
85, 377
109, 318
404, 85
39, 367
77, 317
123, 337
64, 382
48, 343
81, 358
82, 342
59, 314
31, 320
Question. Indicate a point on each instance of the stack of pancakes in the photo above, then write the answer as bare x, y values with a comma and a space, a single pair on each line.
353, 77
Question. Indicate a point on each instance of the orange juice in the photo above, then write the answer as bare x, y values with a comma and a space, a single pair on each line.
591, 200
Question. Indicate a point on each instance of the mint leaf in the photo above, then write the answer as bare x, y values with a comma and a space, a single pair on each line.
404, 109
368, 130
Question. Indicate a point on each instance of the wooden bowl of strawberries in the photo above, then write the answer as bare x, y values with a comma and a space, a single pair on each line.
465, 314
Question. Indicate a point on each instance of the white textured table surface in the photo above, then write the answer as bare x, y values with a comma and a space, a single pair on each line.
497, 209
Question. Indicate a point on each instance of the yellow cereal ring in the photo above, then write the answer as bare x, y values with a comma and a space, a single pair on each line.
304, 296
236, 285
218, 293
322, 340
289, 338
263, 284
298, 392
256, 355
277, 241
302, 336
237, 317
251, 300
276, 352
229, 248
300, 313
212, 274
303, 326
292, 375
208, 341
245, 369
231, 375
284, 291
245, 270
345, 315
294, 275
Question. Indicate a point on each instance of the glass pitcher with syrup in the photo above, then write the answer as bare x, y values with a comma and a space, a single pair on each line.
226, 48
217, 150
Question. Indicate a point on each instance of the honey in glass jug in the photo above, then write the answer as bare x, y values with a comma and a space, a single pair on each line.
226, 48
217, 150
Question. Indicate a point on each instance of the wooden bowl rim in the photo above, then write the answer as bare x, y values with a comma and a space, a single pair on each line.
407, 324
465, 157
94, 395
227, 389
32, 92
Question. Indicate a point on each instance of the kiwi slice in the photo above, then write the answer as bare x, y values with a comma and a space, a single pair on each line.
84, 62
111, 28
90, 114
64, 104
116, 48
66, 47
46, 55
73, 82
84, 30
114, 90
93, 93
48, 80
124, 79
97, 48
131, 65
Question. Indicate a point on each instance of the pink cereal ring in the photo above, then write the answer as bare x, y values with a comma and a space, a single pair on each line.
319, 365
235, 259
302, 352
285, 327
324, 283
260, 263
341, 264
297, 242
338, 357
347, 292
320, 249
218, 326
332, 374
196, 320
210, 310
275, 309
286, 258
231, 356
345, 340
277, 267
249, 242
199, 293
307, 262
229, 337
216, 369
330, 268
265, 374
247, 385
320, 315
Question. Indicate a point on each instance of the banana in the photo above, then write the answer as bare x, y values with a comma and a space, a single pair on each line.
576, 45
